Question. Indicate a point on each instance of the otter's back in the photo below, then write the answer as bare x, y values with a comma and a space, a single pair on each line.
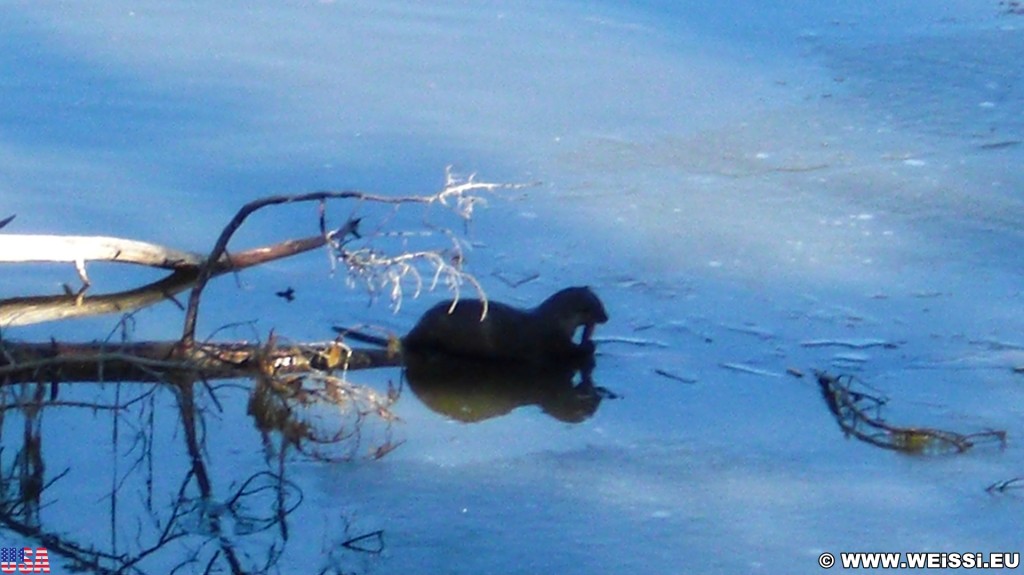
503, 334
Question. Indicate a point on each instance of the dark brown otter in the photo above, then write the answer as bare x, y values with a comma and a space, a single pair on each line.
505, 332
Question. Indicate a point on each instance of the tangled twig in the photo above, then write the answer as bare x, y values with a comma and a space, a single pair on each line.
858, 414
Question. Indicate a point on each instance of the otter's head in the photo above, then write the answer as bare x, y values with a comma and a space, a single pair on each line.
574, 307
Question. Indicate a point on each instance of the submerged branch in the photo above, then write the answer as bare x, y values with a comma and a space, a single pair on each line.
858, 415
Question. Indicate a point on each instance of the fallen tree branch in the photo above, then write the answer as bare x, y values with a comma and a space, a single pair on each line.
21, 311
161, 361
23, 248
38, 309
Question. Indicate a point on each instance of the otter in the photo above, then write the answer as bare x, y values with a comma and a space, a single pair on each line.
505, 333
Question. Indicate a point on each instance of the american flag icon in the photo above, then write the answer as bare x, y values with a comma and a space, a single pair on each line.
14, 558
12, 554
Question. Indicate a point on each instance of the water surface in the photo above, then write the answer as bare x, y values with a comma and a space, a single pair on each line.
736, 182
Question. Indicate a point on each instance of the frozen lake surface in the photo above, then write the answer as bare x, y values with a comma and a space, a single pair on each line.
750, 188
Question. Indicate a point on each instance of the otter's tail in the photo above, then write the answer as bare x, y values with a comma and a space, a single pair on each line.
360, 336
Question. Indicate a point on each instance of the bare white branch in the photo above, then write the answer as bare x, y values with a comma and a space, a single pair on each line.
463, 191
23, 248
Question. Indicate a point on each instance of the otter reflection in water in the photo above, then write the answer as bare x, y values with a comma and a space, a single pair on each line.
473, 390
471, 366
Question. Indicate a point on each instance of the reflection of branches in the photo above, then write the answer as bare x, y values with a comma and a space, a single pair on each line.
338, 549
80, 556
300, 392
293, 405
286, 495
201, 530
859, 414
22, 497
23, 485
315, 411
172, 530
